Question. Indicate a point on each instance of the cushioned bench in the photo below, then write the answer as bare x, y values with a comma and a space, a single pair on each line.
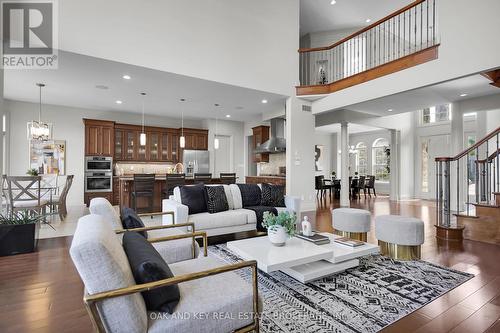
351, 222
399, 237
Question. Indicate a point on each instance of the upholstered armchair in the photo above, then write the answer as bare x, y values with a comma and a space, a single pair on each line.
213, 297
182, 245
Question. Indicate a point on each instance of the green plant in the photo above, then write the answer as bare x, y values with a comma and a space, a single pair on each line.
32, 172
19, 218
283, 219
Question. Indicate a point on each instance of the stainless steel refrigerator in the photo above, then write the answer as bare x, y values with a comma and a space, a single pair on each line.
196, 161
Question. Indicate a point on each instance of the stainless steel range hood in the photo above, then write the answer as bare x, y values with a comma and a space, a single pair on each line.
277, 142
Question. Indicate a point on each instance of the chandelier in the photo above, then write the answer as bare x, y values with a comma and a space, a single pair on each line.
38, 130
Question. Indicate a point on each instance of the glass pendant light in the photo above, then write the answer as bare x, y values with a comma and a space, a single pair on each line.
182, 139
142, 136
38, 130
216, 140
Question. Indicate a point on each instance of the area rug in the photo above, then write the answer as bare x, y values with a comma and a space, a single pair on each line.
362, 299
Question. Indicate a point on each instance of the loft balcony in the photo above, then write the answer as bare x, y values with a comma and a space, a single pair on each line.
403, 39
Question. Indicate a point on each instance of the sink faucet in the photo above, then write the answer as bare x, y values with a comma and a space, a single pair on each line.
179, 168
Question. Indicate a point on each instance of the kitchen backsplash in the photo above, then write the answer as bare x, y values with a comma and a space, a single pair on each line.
131, 168
272, 167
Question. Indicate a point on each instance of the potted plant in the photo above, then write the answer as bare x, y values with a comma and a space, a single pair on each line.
279, 227
18, 233
32, 172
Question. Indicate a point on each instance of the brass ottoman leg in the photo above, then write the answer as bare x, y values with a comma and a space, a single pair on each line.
399, 252
361, 236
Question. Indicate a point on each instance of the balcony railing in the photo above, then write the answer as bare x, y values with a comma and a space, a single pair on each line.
405, 32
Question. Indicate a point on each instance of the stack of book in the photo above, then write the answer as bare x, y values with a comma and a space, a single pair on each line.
349, 242
315, 238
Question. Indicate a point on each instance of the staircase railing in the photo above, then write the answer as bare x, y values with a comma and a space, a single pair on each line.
475, 172
404, 32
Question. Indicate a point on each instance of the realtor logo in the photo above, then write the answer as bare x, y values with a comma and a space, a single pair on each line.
29, 39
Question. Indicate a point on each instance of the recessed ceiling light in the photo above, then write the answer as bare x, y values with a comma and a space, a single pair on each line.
126, 77
182, 99
368, 20
463, 95
228, 116
239, 108
118, 102
264, 101
390, 110
333, 2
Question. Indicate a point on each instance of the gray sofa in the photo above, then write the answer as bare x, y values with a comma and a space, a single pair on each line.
207, 287
236, 219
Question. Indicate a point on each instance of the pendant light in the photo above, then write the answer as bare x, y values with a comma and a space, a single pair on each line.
182, 139
216, 140
38, 130
142, 136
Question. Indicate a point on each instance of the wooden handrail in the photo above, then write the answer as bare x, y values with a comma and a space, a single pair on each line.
471, 148
357, 33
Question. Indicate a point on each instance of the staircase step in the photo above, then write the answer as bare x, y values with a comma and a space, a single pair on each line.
480, 228
487, 210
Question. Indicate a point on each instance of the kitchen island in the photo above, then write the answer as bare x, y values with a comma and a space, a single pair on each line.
270, 179
126, 186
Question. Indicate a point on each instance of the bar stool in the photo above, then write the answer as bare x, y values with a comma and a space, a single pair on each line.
173, 180
144, 185
227, 178
202, 177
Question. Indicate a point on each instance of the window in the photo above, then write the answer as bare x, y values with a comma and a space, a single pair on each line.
436, 114
380, 158
361, 159
425, 166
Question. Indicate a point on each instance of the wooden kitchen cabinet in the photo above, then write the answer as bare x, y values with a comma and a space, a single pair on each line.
99, 137
90, 195
196, 139
260, 135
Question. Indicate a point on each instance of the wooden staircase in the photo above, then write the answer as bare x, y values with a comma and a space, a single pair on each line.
484, 226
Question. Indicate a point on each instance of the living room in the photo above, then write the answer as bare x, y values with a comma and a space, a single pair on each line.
178, 166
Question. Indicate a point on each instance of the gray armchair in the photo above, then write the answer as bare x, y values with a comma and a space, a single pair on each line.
207, 287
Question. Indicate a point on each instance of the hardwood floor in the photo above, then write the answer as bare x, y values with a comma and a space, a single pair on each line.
42, 292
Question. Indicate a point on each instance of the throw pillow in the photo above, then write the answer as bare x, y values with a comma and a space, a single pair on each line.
216, 199
250, 194
147, 265
193, 196
273, 195
131, 220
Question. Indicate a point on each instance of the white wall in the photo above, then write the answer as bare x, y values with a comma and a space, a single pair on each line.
251, 44
463, 51
68, 125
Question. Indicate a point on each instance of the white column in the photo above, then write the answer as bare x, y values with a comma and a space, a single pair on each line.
300, 126
394, 164
457, 146
344, 162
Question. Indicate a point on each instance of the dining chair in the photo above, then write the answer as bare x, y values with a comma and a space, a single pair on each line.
173, 180
320, 186
59, 201
202, 177
227, 178
144, 185
24, 194
370, 185
361, 185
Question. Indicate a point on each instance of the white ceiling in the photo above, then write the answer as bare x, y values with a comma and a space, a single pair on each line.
320, 15
74, 84
353, 128
447, 92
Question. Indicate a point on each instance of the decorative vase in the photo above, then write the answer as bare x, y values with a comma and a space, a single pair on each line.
277, 235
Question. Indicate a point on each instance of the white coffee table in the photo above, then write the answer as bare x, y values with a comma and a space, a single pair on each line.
300, 259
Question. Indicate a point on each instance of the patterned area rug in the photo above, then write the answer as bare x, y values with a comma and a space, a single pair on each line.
362, 299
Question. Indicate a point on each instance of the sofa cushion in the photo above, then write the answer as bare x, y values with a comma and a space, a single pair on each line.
236, 194
131, 220
103, 266
226, 298
193, 196
174, 250
148, 266
250, 194
203, 221
273, 195
215, 197
250, 214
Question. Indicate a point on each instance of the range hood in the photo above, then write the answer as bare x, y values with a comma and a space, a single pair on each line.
277, 142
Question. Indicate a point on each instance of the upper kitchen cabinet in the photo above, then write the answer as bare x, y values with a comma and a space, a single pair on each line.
260, 135
99, 137
196, 139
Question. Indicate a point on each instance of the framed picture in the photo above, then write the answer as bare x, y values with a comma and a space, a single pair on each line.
48, 157
319, 157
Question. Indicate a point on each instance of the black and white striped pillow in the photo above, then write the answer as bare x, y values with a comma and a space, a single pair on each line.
216, 199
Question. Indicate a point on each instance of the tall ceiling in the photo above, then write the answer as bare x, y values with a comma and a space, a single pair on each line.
321, 15
94, 83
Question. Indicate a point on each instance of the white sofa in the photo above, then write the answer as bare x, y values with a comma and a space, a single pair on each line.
236, 219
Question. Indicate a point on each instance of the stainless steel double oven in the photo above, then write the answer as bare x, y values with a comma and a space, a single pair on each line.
98, 174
